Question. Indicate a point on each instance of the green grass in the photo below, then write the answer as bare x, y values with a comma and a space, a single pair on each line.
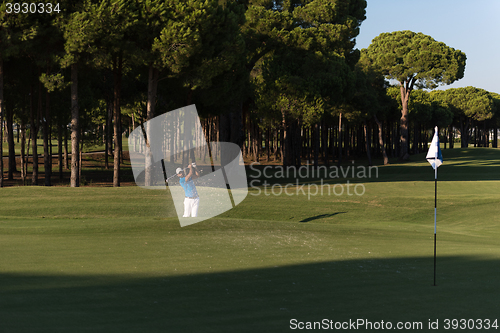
116, 259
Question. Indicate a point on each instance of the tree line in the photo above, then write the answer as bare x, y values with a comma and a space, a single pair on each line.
282, 79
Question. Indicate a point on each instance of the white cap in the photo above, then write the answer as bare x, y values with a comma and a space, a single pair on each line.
178, 170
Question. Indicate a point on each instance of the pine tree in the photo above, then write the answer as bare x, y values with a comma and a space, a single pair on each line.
307, 70
16, 34
414, 59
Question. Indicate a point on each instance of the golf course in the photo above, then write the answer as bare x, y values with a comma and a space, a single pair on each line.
104, 259
251, 166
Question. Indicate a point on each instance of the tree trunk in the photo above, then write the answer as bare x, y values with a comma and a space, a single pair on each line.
174, 139
347, 140
316, 145
60, 150
397, 143
188, 122
10, 143
381, 140
250, 134
324, 141
451, 136
104, 131
236, 117
386, 131
404, 126
474, 128
256, 142
307, 144
117, 73
415, 137
187, 157
406, 88
275, 144
268, 144
464, 132
486, 136
66, 150
231, 125
108, 149
23, 155
445, 136
47, 158
285, 139
231, 130
376, 144
340, 139
297, 143
244, 113
332, 143
120, 135
80, 155
75, 130
33, 131
2, 112
150, 114
495, 137
368, 143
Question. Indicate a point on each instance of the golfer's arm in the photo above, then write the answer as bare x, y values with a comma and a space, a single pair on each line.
188, 177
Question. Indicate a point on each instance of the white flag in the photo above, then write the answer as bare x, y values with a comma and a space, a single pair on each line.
434, 156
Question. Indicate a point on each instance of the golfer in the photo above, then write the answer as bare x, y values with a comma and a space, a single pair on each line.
191, 200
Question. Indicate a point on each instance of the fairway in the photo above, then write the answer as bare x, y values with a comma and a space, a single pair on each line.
106, 259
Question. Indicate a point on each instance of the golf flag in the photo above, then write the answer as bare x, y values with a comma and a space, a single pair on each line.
434, 156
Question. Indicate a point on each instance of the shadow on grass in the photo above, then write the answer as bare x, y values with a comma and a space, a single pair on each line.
322, 216
256, 300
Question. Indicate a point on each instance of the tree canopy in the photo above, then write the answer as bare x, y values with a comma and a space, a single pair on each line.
282, 77
414, 59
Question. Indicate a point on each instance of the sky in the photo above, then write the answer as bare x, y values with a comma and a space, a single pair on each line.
470, 26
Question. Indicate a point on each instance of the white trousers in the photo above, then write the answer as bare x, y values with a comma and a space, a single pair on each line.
191, 207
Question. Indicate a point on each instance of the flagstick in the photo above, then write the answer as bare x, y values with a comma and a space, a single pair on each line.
435, 153
435, 211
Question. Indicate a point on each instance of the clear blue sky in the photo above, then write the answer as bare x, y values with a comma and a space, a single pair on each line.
470, 26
